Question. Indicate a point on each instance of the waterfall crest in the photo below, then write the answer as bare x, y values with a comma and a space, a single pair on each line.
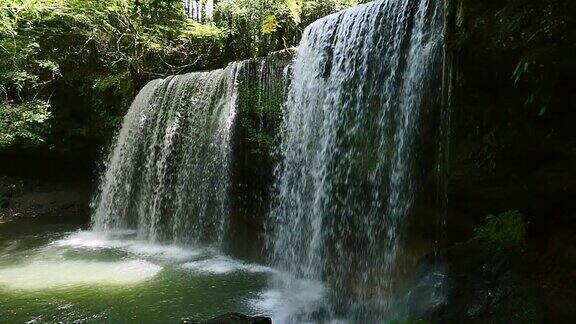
168, 172
363, 81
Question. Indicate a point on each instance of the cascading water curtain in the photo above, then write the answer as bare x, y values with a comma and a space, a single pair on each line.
362, 81
167, 176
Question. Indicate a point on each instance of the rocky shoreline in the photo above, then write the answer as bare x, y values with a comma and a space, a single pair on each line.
232, 318
30, 198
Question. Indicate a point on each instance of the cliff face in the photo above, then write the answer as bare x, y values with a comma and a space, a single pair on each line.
512, 140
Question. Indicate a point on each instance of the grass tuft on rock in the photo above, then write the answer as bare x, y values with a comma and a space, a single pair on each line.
503, 233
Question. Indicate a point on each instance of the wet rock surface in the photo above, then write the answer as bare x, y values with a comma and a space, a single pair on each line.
21, 198
232, 318
512, 142
481, 288
467, 283
512, 147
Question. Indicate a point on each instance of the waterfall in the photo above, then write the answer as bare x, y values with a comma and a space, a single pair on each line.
364, 82
168, 172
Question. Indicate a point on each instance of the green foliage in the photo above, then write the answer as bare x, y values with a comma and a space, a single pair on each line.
37, 39
503, 233
153, 12
114, 90
257, 27
100, 52
262, 113
87, 59
269, 25
24, 122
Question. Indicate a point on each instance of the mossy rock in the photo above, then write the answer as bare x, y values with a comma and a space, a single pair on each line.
504, 233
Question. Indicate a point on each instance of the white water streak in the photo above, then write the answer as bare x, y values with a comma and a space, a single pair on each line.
168, 172
362, 79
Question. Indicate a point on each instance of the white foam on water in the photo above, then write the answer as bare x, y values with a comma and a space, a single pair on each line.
96, 240
222, 265
89, 240
268, 301
296, 297
170, 252
52, 274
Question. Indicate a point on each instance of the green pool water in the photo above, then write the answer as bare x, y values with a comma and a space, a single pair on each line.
57, 271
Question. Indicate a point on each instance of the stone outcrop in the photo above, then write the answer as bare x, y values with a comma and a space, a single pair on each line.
232, 318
